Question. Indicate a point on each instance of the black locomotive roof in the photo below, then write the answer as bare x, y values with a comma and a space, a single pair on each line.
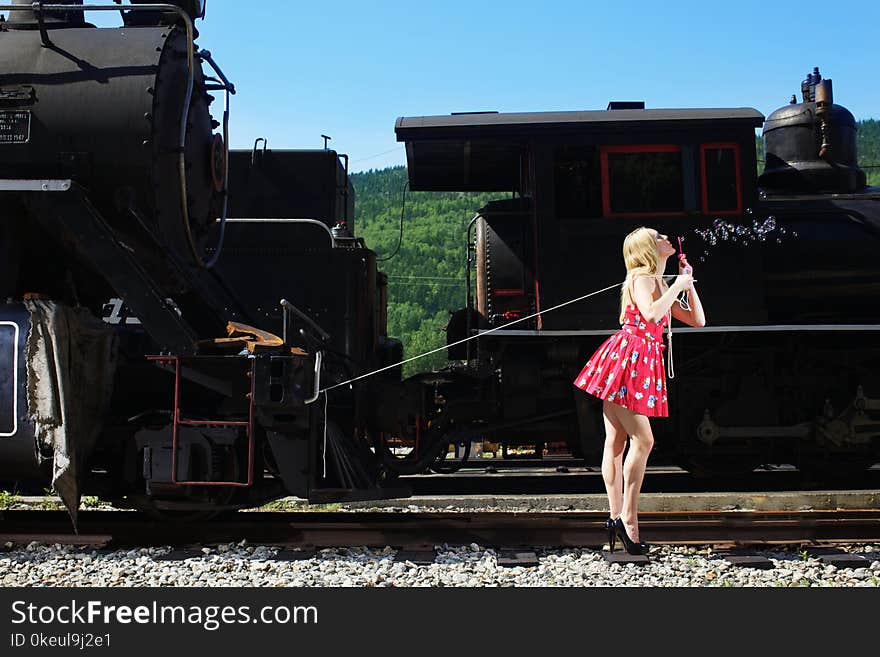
530, 120
480, 151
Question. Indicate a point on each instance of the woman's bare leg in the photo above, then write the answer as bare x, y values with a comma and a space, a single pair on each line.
641, 442
612, 460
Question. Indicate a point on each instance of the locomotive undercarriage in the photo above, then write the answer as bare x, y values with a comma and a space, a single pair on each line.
192, 436
739, 401
254, 428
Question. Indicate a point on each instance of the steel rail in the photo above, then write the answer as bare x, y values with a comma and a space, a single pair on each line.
492, 529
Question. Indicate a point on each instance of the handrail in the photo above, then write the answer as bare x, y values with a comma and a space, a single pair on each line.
229, 90
290, 220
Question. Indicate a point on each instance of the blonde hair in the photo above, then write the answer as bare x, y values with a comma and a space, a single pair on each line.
641, 258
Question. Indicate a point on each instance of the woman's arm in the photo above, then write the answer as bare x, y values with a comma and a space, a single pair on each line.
695, 316
655, 309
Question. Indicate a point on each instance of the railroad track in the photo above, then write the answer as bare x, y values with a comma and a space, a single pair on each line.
119, 529
577, 480
569, 477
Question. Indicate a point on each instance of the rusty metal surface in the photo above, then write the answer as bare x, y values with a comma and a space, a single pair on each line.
21, 538
319, 529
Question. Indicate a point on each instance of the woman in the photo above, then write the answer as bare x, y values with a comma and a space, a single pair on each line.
627, 373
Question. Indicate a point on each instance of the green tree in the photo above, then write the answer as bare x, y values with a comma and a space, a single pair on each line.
427, 271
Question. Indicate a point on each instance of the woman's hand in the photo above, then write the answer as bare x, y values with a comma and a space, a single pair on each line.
683, 282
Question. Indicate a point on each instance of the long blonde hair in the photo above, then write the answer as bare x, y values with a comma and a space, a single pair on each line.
641, 258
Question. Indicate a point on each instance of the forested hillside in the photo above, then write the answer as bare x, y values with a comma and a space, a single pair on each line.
426, 274
869, 149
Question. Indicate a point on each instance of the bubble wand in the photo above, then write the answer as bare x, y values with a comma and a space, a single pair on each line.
681, 256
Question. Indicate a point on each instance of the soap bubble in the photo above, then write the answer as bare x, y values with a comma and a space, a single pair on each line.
766, 230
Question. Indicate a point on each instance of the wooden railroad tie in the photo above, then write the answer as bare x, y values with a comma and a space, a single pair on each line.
743, 558
512, 558
833, 556
416, 556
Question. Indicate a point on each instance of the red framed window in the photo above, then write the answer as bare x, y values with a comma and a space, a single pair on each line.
721, 178
642, 180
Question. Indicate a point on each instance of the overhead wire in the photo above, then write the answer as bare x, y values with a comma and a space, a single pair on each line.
472, 337
400, 235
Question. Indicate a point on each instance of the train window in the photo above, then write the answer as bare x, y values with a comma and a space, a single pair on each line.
721, 187
642, 180
578, 189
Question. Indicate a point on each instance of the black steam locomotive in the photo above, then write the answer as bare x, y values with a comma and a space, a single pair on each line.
173, 310
785, 370
185, 327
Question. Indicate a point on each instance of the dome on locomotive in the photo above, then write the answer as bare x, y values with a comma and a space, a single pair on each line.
811, 146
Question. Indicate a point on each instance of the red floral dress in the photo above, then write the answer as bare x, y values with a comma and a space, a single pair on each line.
628, 368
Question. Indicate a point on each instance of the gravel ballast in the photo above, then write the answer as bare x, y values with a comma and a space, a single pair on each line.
474, 565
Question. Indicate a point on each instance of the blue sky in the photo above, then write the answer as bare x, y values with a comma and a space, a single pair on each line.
349, 69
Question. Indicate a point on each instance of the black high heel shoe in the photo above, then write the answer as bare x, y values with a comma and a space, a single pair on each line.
629, 545
612, 534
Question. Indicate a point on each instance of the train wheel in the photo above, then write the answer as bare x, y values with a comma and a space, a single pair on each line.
448, 465
402, 445
199, 504
164, 511
406, 460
